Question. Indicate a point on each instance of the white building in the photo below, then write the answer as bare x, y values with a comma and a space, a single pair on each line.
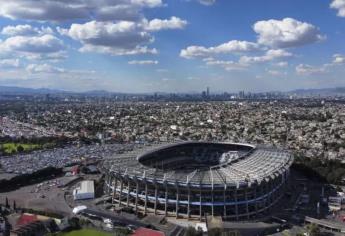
334, 203
86, 190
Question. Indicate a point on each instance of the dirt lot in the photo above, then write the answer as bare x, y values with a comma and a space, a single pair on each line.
46, 196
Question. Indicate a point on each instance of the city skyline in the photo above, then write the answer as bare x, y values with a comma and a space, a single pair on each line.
179, 46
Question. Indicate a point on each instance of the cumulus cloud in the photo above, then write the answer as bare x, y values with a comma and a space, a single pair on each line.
270, 55
9, 63
286, 33
339, 5
143, 62
158, 24
304, 69
233, 46
116, 27
125, 34
54, 10
121, 37
25, 30
33, 46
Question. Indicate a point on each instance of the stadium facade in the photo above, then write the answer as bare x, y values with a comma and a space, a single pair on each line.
191, 179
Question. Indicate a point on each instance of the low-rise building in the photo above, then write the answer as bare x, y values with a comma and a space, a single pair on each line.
85, 190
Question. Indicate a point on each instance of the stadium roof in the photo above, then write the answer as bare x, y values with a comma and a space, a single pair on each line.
257, 165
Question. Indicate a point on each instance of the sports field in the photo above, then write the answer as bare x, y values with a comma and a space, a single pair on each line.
85, 232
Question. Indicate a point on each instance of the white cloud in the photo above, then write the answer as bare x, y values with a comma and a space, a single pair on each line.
282, 64
8, 63
207, 2
158, 24
124, 33
304, 69
270, 55
146, 3
52, 10
33, 46
118, 51
121, 38
40, 70
43, 68
143, 62
227, 65
338, 59
276, 73
233, 46
286, 33
116, 27
25, 30
339, 5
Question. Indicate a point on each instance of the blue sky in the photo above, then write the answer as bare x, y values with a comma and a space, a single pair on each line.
172, 45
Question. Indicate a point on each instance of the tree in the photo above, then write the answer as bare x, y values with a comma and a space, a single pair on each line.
6, 204
191, 231
215, 232
20, 148
74, 223
313, 230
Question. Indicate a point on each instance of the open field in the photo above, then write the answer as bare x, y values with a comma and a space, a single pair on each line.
85, 232
10, 148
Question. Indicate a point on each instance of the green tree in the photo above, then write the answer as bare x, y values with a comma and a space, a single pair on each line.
20, 148
313, 230
191, 231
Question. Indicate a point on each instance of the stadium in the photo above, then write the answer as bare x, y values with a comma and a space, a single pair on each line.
194, 179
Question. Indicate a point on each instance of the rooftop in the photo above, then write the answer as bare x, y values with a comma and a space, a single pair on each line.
254, 165
86, 186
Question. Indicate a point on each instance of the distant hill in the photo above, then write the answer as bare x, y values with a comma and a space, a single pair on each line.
324, 91
12, 90
23, 91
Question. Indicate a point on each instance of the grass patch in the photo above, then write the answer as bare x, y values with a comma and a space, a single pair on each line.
12, 148
85, 232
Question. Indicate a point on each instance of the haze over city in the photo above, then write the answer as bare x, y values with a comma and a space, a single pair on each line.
173, 45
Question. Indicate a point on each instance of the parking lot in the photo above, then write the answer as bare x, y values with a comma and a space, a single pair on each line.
46, 196
58, 157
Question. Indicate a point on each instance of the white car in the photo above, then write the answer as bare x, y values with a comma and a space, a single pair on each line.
78, 209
